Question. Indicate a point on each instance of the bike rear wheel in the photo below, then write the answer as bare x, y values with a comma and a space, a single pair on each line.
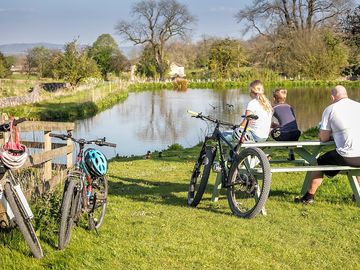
200, 176
98, 202
69, 209
23, 221
249, 183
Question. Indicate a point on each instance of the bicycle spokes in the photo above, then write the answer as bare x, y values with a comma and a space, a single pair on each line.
249, 183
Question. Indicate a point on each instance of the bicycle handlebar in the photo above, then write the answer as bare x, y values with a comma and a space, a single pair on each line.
6, 126
100, 142
250, 117
220, 122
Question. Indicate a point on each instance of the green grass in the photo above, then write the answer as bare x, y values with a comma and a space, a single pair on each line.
73, 105
11, 88
149, 226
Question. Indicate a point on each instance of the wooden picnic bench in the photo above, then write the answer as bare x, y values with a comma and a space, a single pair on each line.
308, 152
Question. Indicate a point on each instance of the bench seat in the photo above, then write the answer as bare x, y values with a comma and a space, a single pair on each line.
312, 168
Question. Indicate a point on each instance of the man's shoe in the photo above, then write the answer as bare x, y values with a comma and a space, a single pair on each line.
303, 200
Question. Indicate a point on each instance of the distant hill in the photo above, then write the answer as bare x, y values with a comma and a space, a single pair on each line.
22, 48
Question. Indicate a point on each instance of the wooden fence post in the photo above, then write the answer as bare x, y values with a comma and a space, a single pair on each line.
4, 137
47, 164
69, 157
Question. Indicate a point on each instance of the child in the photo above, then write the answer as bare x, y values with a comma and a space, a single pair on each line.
286, 129
259, 105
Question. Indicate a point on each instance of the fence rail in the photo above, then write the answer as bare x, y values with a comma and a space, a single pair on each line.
49, 151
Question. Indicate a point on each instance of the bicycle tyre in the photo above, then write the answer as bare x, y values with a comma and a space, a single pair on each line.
201, 172
68, 211
98, 202
249, 183
23, 222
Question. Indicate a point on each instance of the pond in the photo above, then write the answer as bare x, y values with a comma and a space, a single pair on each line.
153, 120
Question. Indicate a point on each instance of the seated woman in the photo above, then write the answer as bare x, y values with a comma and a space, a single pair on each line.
258, 130
259, 105
286, 129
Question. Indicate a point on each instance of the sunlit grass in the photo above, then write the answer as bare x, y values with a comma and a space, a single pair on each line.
149, 226
72, 105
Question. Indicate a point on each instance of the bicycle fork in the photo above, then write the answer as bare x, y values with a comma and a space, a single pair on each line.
21, 198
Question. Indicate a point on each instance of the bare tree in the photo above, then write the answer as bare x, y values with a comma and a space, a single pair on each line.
155, 23
266, 15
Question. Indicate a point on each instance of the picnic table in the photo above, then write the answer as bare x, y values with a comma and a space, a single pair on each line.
308, 151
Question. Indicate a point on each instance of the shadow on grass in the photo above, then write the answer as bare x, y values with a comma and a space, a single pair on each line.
142, 190
283, 193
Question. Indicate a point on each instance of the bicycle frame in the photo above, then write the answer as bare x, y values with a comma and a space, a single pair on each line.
218, 136
85, 183
16, 187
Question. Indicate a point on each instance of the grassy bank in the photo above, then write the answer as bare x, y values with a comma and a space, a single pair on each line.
72, 106
149, 226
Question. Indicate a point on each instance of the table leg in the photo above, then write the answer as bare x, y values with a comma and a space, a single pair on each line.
354, 186
217, 187
306, 183
311, 159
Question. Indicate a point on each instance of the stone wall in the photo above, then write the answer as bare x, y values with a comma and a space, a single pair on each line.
32, 97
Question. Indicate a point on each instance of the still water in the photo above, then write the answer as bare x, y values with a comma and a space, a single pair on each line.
153, 120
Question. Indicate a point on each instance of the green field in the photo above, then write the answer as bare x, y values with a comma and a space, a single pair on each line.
149, 226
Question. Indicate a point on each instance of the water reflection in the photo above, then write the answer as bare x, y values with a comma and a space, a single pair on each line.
154, 120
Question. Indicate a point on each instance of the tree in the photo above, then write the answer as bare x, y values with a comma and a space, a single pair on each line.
351, 32
156, 22
224, 55
351, 27
119, 63
266, 15
76, 65
4, 67
37, 59
313, 55
147, 64
106, 53
181, 52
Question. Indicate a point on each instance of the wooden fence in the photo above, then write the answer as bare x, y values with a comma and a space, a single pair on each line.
49, 151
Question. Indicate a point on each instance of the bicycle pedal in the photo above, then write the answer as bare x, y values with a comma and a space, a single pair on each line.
216, 167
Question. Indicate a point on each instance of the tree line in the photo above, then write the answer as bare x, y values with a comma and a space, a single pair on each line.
313, 39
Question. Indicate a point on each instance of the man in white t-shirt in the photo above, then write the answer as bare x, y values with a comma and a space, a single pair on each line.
340, 122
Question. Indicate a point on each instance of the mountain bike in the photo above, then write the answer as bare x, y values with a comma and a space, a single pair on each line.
86, 188
12, 198
245, 173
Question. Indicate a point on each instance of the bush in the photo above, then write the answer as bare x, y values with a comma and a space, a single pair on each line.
175, 146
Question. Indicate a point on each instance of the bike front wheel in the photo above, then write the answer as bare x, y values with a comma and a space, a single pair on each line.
249, 183
200, 176
98, 202
69, 209
23, 221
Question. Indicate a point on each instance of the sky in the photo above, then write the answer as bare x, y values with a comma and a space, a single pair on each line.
61, 21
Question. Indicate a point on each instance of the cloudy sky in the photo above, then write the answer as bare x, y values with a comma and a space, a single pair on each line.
60, 21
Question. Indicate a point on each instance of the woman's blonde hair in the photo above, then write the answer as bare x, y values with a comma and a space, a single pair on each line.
280, 95
257, 88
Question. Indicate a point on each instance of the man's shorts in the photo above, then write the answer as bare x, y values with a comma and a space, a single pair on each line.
334, 158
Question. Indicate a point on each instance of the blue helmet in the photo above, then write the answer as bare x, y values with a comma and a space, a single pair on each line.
95, 162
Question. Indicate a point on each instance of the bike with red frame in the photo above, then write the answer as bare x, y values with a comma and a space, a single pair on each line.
86, 188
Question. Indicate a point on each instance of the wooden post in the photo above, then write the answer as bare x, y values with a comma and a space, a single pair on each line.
47, 147
4, 136
69, 157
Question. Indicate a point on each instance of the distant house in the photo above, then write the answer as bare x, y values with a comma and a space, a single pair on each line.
176, 71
